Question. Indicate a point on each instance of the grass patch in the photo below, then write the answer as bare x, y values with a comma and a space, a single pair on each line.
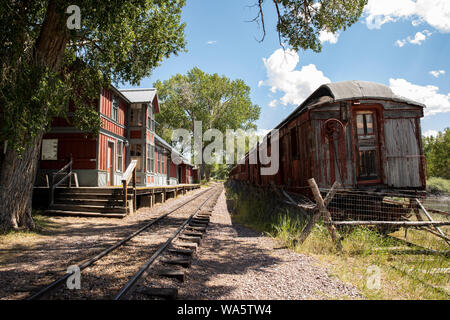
438, 185
406, 272
43, 227
13, 243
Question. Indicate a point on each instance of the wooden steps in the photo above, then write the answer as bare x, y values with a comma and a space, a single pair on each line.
92, 202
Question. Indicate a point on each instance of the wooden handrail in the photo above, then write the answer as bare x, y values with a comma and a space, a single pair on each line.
129, 174
53, 185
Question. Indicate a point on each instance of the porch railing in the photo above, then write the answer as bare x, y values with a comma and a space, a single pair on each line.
66, 172
129, 175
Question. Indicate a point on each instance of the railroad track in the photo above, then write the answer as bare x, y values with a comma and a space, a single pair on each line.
194, 222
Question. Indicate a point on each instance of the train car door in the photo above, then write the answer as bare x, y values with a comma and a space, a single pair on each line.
367, 146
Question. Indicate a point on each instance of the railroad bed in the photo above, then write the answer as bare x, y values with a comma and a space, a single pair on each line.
170, 238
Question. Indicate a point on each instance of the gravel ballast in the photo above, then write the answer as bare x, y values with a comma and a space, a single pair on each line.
235, 262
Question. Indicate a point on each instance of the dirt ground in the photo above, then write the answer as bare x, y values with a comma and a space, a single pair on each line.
30, 261
232, 262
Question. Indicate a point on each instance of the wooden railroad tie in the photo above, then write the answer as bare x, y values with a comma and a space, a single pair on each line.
200, 220
184, 262
190, 239
196, 224
186, 252
163, 293
190, 246
180, 275
200, 229
193, 234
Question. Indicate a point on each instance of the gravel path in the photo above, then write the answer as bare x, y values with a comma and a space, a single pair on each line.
234, 262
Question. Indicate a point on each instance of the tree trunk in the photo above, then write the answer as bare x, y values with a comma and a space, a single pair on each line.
18, 171
17, 179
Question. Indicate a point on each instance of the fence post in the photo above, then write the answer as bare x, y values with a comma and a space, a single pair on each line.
431, 219
125, 194
323, 211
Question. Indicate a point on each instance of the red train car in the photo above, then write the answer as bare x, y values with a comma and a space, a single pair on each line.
356, 132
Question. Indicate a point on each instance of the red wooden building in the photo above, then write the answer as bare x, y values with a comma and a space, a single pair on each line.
127, 133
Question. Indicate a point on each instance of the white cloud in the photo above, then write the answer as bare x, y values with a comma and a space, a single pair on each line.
435, 102
211, 42
437, 73
400, 43
296, 85
431, 133
325, 36
273, 103
434, 12
419, 37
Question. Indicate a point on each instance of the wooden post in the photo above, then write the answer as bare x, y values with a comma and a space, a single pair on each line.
316, 214
125, 194
324, 212
414, 206
429, 218
134, 190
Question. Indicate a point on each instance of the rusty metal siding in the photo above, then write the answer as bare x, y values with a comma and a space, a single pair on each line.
403, 156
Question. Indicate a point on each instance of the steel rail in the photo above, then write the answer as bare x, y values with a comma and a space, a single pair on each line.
143, 271
58, 282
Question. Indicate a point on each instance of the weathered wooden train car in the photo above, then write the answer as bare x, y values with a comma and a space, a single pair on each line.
355, 132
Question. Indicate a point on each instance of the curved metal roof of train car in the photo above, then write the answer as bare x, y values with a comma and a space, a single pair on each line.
348, 90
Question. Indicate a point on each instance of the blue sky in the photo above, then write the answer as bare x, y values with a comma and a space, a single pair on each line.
396, 43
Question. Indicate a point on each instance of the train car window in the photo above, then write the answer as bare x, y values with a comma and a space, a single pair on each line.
364, 124
294, 143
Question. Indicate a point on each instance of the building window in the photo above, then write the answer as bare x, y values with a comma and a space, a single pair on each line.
119, 156
136, 115
150, 156
115, 109
158, 159
149, 117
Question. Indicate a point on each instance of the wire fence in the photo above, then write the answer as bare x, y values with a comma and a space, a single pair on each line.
388, 210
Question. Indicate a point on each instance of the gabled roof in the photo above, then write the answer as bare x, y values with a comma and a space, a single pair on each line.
139, 95
348, 90
168, 146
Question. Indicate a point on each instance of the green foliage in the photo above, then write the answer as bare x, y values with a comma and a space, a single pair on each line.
119, 41
301, 21
220, 171
439, 185
217, 101
437, 153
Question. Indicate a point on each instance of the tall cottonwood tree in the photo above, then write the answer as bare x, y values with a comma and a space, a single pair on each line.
43, 63
299, 22
217, 101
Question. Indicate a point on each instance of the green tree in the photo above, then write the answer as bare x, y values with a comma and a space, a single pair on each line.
299, 22
43, 62
437, 153
217, 101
